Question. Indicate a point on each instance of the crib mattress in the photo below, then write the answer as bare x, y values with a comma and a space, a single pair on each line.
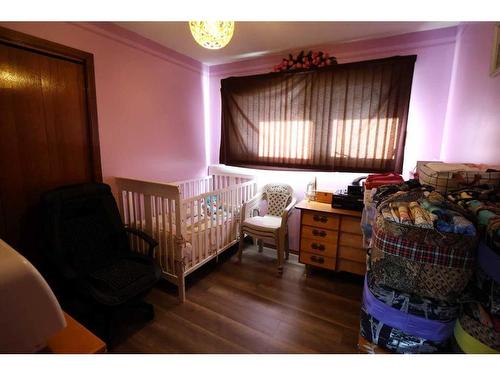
211, 228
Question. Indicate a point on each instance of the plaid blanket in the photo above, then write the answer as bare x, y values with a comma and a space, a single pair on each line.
420, 251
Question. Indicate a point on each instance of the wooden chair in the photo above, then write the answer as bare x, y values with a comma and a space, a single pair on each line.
272, 226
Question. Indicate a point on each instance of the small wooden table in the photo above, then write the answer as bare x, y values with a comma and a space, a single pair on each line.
74, 339
331, 238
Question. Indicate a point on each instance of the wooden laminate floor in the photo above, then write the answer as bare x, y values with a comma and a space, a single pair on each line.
247, 308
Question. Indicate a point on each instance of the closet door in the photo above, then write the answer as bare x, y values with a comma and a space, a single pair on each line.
47, 133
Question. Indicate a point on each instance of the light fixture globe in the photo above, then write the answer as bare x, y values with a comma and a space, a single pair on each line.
212, 34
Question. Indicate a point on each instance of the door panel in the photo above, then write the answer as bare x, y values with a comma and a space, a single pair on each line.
45, 137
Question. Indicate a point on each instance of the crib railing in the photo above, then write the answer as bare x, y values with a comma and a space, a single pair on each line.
194, 187
182, 218
152, 207
212, 220
222, 181
197, 186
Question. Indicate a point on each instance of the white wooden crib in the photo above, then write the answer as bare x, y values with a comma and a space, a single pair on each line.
193, 221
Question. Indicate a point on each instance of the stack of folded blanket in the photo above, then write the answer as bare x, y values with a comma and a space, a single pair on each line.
376, 196
478, 328
422, 256
476, 331
484, 203
429, 213
405, 323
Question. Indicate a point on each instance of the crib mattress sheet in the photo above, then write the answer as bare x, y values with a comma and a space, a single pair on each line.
211, 228
213, 231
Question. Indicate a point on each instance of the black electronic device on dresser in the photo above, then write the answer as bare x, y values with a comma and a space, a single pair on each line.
350, 198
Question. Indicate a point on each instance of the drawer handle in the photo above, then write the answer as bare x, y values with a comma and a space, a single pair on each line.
317, 259
318, 246
320, 233
320, 218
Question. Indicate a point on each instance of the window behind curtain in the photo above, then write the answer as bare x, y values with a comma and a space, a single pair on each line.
349, 117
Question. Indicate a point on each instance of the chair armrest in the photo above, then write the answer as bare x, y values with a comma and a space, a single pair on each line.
146, 237
249, 206
288, 210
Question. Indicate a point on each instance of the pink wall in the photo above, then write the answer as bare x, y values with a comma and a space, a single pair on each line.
159, 111
428, 103
149, 100
472, 132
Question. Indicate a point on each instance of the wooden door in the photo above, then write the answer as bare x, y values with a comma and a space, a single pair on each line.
48, 132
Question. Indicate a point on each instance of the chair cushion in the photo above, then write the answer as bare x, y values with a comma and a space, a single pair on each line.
263, 223
89, 242
121, 279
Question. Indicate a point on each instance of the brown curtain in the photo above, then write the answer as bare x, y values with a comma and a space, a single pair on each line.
347, 117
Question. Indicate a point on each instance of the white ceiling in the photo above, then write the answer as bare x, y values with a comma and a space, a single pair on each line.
252, 39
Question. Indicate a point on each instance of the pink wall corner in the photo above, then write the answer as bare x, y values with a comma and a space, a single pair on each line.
472, 131
149, 100
434, 50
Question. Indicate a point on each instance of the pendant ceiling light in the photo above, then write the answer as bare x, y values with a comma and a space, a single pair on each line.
212, 34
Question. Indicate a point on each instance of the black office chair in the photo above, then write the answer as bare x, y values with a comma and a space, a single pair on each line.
87, 245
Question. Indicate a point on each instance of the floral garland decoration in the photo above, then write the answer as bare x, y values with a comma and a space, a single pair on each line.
305, 61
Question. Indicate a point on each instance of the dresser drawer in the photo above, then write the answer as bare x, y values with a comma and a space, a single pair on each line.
319, 234
351, 253
320, 220
317, 260
351, 225
351, 266
319, 247
351, 240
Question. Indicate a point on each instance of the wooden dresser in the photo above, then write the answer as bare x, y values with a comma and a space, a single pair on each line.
331, 238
